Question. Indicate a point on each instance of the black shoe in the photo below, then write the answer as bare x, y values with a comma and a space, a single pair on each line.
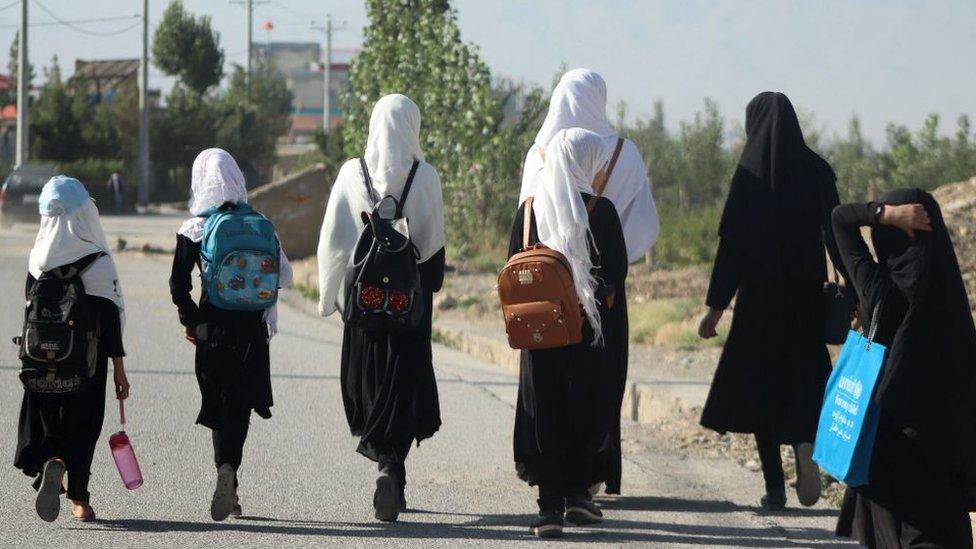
403, 499
548, 525
48, 502
583, 512
774, 501
386, 498
807, 475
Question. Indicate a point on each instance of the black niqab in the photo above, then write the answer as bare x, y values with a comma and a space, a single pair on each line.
928, 380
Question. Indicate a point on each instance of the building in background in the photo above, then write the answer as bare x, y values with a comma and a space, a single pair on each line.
103, 79
301, 65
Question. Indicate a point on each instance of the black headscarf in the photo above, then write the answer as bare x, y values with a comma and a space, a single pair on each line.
782, 192
928, 381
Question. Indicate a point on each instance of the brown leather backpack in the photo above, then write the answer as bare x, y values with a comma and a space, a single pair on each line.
536, 289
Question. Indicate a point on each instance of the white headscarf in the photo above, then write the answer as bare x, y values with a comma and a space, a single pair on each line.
391, 148
573, 158
214, 180
580, 101
70, 230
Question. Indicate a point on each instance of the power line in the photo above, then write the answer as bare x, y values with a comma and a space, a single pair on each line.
10, 5
59, 23
72, 26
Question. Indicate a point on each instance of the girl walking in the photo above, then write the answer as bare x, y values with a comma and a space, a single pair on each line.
919, 490
233, 366
58, 429
580, 101
564, 435
388, 385
771, 377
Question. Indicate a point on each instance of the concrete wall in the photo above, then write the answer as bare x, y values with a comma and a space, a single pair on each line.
296, 205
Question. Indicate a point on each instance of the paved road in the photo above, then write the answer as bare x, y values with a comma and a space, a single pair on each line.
302, 484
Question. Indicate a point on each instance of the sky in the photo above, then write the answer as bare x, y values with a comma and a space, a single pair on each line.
886, 60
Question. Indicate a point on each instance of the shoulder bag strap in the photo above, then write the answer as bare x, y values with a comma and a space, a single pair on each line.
602, 184
406, 189
527, 222
367, 180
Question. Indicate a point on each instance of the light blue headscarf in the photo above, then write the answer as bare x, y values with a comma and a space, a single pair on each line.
62, 195
70, 229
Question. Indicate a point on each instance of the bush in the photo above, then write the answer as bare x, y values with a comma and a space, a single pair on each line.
688, 237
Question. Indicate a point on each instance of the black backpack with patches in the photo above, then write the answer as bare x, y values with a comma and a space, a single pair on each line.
59, 347
385, 294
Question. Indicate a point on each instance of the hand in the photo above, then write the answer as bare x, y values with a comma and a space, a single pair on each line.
190, 333
121, 383
706, 329
907, 217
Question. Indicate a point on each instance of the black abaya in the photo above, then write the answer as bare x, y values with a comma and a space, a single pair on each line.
68, 426
774, 366
916, 495
388, 386
233, 363
567, 418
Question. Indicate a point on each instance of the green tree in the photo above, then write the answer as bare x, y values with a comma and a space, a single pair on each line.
186, 47
251, 122
414, 47
857, 164
706, 165
10, 96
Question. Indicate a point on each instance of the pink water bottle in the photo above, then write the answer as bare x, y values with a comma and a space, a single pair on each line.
125, 458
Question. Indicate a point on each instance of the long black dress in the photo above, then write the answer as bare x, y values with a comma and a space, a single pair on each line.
567, 418
388, 386
916, 495
68, 426
770, 379
233, 364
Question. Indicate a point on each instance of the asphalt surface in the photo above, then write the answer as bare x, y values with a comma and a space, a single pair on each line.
302, 484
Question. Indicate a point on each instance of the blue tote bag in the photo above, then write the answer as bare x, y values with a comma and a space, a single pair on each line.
849, 417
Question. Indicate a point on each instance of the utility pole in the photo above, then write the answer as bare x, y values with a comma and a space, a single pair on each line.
327, 71
144, 109
248, 34
23, 77
249, 7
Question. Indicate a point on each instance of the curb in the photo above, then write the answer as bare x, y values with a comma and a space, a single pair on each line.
642, 402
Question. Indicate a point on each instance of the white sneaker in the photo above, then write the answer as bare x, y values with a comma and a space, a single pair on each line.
807, 475
223, 498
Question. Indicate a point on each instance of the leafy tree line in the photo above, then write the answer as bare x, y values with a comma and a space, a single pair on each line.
90, 137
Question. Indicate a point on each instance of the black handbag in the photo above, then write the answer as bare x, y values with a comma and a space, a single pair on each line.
838, 310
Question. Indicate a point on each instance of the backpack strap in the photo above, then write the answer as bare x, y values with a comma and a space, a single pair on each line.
527, 222
78, 267
602, 184
406, 189
367, 180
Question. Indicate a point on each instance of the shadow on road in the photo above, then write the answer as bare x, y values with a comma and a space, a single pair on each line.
654, 503
508, 527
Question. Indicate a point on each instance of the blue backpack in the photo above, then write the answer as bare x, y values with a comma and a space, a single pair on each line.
239, 256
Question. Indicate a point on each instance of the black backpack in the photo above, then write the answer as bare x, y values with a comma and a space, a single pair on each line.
58, 347
385, 294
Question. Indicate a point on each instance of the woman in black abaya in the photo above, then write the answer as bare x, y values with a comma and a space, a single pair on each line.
917, 494
388, 386
564, 436
771, 377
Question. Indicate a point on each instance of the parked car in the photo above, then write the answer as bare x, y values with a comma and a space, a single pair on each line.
19, 193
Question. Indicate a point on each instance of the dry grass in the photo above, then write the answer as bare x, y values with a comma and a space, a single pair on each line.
670, 323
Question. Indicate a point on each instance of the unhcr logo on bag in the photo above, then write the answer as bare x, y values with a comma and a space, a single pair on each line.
852, 386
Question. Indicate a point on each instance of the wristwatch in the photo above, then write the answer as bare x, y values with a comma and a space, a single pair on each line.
879, 212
